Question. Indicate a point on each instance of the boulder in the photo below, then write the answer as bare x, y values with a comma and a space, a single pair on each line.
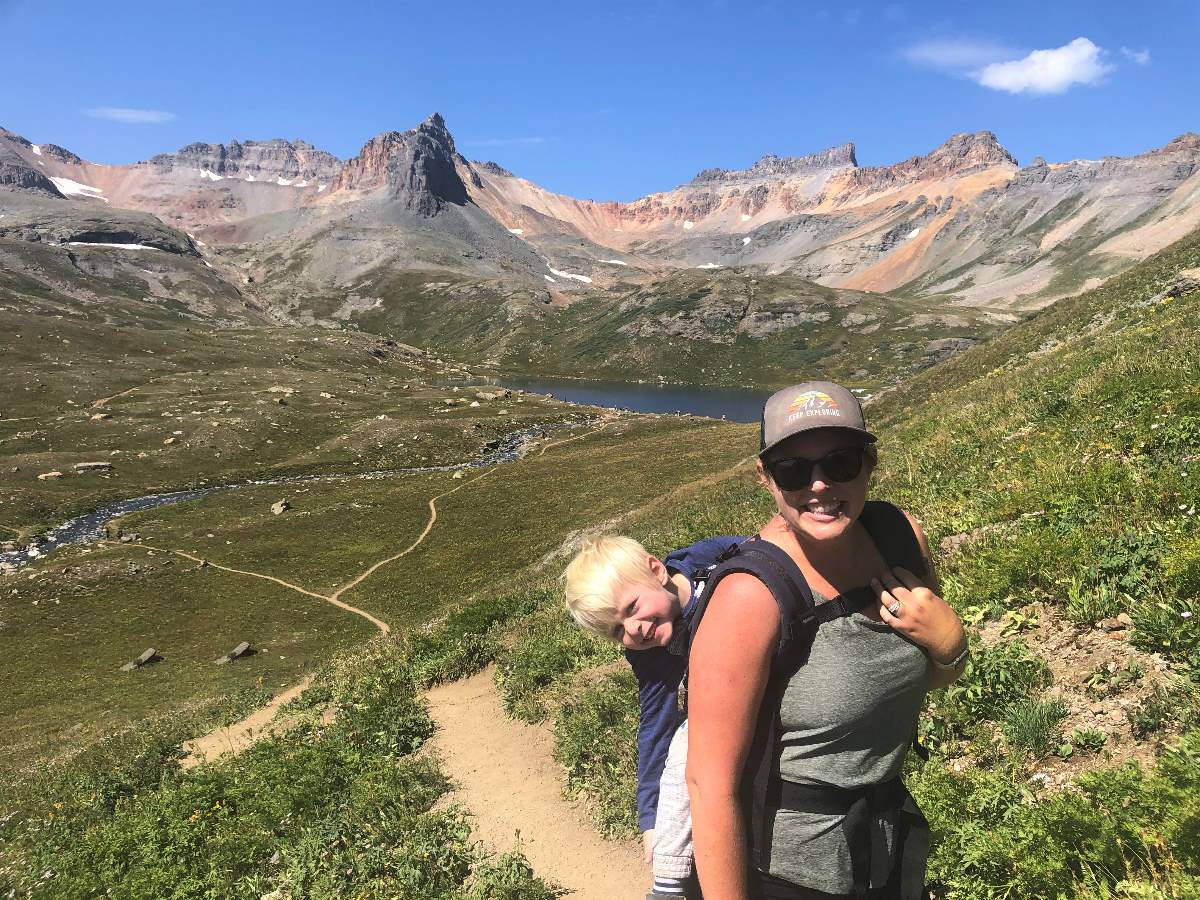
47, 476
236, 653
150, 655
84, 467
100, 417
169, 441
280, 506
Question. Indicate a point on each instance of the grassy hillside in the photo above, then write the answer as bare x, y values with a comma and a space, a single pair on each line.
732, 327
1055, 469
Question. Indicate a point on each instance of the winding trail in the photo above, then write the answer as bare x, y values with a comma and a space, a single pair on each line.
242, 734
506, 775
103, 401
358, 579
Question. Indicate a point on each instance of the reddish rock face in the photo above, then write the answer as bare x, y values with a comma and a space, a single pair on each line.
416, 167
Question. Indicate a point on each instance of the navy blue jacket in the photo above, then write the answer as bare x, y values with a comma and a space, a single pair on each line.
659, 672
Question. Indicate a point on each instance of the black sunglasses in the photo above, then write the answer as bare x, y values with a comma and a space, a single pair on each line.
795, 472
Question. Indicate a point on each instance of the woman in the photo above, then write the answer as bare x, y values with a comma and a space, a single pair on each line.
847, 715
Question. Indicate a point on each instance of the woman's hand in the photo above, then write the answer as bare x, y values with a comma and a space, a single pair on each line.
914, 610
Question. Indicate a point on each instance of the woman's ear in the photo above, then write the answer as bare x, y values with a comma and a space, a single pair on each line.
763, 478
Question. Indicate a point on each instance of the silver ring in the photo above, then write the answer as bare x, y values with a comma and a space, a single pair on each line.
894, 609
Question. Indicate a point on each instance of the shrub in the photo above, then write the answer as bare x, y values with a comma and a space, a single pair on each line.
557, 647
1033, 724
508, 877
995, 677
596, 742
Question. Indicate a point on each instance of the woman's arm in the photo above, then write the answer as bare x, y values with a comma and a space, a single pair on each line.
729, 667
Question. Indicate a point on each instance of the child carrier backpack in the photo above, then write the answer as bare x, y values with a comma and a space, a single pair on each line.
764, 791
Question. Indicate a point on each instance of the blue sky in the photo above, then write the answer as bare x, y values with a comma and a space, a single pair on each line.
606, 100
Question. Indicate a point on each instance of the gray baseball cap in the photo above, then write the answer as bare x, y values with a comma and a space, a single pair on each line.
808, 406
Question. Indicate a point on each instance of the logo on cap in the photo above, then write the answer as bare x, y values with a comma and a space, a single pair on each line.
813, 403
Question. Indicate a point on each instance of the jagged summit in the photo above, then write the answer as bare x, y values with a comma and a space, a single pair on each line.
416, 166
772, 166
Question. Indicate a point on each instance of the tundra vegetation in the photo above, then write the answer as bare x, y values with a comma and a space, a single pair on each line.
1054, 468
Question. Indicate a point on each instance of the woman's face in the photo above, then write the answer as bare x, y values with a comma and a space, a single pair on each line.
823, 509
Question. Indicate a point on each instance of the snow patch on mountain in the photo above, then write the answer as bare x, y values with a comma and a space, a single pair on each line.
70, 188
582, 278
613, 262
210, 175
114, 246
36, 148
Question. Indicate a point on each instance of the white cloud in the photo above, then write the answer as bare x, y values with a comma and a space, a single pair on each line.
957, 53
1141, 57
130, 116
1047, 71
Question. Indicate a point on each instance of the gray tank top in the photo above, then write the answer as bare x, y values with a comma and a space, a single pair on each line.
848, 717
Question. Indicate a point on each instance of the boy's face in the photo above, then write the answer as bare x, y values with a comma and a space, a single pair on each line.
646, 614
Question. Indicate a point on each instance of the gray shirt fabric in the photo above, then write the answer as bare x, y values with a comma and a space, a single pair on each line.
848, 717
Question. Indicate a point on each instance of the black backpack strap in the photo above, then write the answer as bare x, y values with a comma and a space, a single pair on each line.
779, 574
893, 535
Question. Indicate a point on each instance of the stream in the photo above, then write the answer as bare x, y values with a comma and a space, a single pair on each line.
89, 527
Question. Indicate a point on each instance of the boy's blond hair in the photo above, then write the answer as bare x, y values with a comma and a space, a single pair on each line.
600, 570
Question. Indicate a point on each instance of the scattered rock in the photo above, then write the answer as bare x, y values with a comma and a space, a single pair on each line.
47, 476
100, 417
474, 403
130, 538
458, 474
85, 467
1125, 619
169, 441
280, 506
148, 656
237, 652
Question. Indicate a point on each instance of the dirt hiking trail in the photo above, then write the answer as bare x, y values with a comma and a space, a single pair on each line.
235, 738
506, 776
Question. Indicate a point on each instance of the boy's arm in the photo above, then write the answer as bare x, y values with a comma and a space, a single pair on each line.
658, 674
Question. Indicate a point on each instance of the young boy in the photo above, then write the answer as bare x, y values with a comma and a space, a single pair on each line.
616, 589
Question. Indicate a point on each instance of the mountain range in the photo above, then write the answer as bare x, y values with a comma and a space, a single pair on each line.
465, 253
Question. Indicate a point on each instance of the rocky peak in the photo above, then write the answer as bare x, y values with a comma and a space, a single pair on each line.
772, 166
264, 160
493, 168
18, 175
1188, 142
416, 167
961, 154
967, 152
61, 154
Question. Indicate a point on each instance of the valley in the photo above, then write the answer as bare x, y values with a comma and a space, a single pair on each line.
313, 351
